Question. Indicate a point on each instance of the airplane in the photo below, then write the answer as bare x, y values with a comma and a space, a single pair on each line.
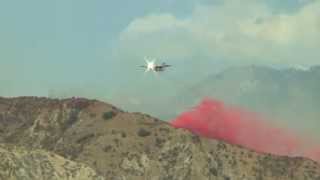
151, 65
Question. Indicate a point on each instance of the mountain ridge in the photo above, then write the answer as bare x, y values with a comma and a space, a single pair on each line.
123, 145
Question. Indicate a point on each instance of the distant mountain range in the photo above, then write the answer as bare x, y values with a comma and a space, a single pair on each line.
289, 95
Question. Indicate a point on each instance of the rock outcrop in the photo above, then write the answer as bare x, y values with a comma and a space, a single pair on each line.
17, 163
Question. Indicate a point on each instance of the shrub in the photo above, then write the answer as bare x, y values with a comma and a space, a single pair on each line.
143, 133
108, 115
92, 115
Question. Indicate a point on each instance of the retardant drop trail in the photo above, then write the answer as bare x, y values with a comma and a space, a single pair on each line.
213, 119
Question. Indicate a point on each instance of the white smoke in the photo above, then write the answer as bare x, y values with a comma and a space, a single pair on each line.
240, 32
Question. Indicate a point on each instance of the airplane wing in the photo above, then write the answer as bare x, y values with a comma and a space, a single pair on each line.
165, 65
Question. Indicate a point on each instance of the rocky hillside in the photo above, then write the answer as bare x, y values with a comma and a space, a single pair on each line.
20, 163
134, 146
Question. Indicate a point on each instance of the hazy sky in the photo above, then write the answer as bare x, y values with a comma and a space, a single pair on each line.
93, 48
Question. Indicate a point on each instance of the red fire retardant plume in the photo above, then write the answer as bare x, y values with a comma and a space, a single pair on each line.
213, 119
